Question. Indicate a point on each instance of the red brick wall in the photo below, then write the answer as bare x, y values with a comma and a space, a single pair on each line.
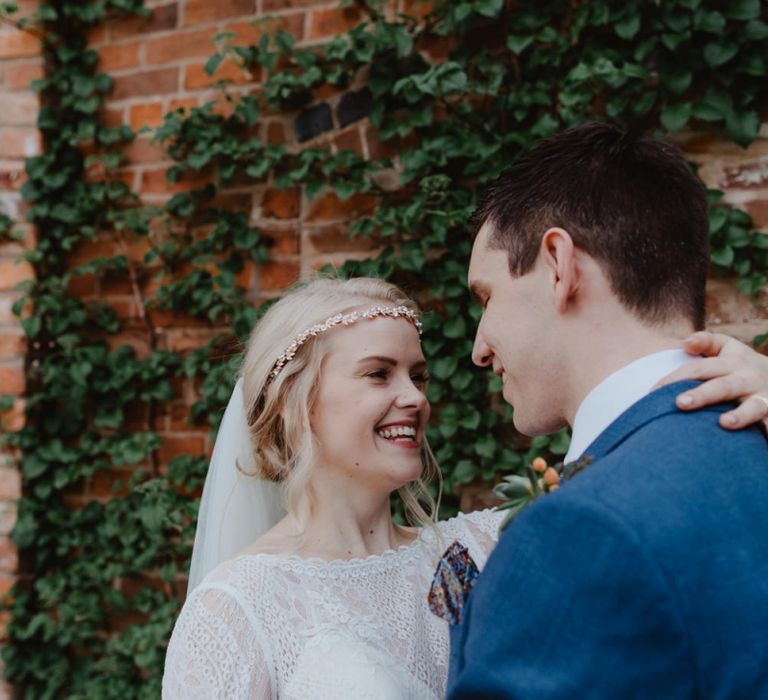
20, 62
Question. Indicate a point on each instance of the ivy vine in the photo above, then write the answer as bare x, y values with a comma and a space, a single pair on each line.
456, 95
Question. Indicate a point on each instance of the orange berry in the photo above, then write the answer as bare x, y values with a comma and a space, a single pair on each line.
539, 464
551, 477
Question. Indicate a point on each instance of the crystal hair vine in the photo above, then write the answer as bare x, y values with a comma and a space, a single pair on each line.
341, 320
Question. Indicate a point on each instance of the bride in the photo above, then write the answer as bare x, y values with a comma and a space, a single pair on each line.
326, 421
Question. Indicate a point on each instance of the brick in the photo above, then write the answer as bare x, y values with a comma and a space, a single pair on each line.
274, 133
434, 48
176, 46
96, 35
350, 140
125, 308
137, 340
334, 239
281, 204
378, 149
282, 241
12, 344
185, 105
418, 8
162, 318
758, 210
16, 43
19, 109
277, 5
91, 250
146, 83
12, 176
19, 142
6, 304
354, 106
195, 77
326, 91
160, 18
113, 117
149, 115
114, 57
12, 380
233, 201
10, 484
19, 74
251, 33
6, 583
156, 182
179, 445
12, 272
142, 151
15, 418
9, 556
181, 341
199, 11
278, 275
332, 21
328, 207
312, 121
107, 484
83, 286
7, 520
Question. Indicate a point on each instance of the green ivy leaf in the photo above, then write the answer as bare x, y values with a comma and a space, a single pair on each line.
675, 117
628, 28
717, 54
743, 9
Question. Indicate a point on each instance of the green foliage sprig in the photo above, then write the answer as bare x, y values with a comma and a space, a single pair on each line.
456, 95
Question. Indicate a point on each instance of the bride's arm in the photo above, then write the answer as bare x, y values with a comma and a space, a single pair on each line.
731, 372
214, 653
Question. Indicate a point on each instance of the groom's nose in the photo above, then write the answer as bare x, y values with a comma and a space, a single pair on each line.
482, 355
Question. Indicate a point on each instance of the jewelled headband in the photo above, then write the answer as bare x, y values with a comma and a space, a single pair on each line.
341, 320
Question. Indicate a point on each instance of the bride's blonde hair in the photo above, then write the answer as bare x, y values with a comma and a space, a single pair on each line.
278, 409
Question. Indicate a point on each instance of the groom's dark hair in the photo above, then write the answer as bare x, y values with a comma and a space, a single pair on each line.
629, 201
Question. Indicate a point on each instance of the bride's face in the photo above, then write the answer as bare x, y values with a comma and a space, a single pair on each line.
371, 411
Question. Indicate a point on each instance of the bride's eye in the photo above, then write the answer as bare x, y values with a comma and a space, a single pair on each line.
378, 374
420, 379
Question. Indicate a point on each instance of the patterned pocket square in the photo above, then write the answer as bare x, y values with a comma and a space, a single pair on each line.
454, 577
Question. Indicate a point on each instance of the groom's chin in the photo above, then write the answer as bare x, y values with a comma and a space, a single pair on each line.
533, 423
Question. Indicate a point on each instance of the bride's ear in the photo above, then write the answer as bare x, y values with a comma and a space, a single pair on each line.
558, 254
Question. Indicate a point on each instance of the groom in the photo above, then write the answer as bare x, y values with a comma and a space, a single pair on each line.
646, 575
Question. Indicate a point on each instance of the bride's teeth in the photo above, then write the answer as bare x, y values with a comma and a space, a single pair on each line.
398, 431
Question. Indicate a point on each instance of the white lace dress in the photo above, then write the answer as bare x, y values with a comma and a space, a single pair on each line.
273, 626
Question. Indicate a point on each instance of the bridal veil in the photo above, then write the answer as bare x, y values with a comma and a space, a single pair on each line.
235, 508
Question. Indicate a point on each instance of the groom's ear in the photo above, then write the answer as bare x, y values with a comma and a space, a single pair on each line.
558, 254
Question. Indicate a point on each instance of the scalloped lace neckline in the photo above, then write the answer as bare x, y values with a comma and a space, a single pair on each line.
386, 557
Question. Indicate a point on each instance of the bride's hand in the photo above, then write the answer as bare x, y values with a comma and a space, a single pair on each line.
731, 372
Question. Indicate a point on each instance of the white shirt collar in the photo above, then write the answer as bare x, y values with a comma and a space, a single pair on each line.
616, 393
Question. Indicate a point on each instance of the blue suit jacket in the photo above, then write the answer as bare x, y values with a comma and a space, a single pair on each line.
646, 576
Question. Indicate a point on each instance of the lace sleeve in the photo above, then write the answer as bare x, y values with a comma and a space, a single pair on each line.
215, 650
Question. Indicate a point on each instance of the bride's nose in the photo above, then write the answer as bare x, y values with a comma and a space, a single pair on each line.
409, 395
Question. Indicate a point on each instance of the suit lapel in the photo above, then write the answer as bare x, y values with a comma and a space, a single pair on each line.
656, 404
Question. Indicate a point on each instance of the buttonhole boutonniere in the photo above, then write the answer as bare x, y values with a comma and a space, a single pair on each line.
520, 490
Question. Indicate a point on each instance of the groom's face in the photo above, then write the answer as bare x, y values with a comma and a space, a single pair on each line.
514, 336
